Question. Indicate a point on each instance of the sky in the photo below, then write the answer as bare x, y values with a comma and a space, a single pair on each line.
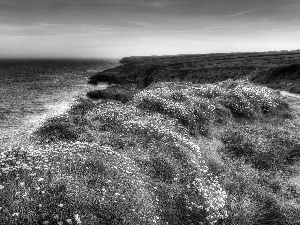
119, 28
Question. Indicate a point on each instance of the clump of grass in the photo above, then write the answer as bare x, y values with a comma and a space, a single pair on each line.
253, 200
246, 100
193, 112
58, 128
67, 181
163, 163
107, 184
197, 107
239, 106
70, 126
265, 147
81, 107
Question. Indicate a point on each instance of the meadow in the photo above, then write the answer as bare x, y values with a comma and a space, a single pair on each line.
174, 153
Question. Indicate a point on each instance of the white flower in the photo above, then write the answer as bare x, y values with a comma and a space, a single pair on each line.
38, 188
22, 184
15, 214
40, 179
60, 205
56, 217
1, 187
69, 221
77, 218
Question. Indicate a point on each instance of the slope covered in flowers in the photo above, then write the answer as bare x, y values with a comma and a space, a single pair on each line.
178, 153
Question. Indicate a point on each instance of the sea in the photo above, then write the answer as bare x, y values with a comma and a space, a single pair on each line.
32, 90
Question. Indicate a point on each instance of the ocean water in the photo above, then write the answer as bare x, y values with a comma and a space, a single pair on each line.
33, 90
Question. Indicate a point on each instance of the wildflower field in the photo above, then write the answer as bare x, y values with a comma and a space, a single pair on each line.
178, 153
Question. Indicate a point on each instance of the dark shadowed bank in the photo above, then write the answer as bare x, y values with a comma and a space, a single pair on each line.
284, 77
173, 141
274, 69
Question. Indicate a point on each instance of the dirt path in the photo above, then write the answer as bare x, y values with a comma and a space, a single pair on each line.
288, 94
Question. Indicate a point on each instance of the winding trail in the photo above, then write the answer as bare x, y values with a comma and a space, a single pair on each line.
288, 94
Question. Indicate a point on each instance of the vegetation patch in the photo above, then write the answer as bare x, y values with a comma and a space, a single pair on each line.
283, 77
123, 94
177, 153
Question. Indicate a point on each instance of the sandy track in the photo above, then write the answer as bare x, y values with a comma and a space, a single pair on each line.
288, 94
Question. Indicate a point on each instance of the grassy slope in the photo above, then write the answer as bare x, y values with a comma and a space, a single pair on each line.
279, 70
206, 68
177, 153
285, 77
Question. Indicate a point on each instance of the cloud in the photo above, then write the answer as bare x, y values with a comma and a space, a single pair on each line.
289, 6
248, 11
49, 24
120, 25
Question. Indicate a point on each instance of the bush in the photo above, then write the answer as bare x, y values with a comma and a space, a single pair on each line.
264, 147
161, 169
250, 200
197, 107
250, 101
236, 145
81, 107
144, 167
192, 112
57, 129
240, 107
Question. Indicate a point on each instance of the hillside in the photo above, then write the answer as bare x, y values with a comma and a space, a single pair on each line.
174, 140
176, 153
284, 77
206, 68
136, 73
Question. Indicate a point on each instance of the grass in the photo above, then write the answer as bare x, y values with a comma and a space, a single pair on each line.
70, 126
265, 146
283, 77
178, 153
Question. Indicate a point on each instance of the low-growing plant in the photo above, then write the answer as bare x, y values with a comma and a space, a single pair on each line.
81, 107
143, 166
57, 129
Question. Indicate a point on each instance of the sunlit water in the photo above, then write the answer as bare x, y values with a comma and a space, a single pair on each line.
33, 90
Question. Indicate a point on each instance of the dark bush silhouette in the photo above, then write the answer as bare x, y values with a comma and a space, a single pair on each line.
57, 129
81, 107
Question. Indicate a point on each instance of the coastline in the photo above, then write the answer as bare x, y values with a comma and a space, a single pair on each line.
155, 151
137, 73
18, 126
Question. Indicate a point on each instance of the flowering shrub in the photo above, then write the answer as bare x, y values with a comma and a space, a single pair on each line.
137, 163
193, 112
249, 100
158, 129
57, 182
265, 147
